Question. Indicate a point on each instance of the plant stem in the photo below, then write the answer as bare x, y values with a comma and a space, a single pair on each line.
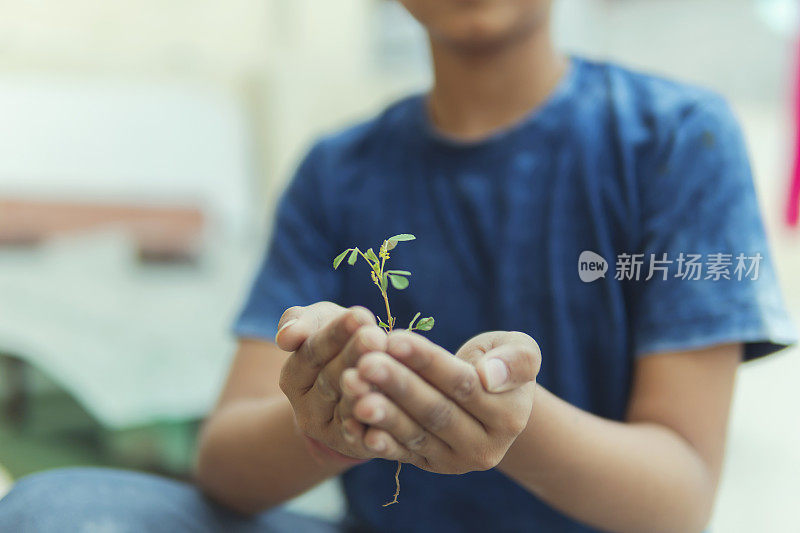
390, 325
396, 485
389, 318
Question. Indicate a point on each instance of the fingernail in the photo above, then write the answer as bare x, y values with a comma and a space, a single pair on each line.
289, 323
377, 445
347, 387
377, 414
349, 437
496, 374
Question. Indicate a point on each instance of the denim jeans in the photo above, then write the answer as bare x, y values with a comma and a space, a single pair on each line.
96, 500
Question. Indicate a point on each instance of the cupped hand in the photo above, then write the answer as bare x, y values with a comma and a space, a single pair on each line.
324, 339
417, 403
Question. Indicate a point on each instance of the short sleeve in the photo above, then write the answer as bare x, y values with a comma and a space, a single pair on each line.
704, 248
297, 267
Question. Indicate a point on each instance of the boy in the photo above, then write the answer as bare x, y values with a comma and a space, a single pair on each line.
516, 162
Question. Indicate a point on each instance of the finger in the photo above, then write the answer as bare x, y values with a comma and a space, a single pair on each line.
353, 434
305, 364
353, 387
474, 349
366, 339
382, 445
290, 315
349, 394
350, 430
420, 400
457, 379
509, 367
298, 323
375, 410
323, 345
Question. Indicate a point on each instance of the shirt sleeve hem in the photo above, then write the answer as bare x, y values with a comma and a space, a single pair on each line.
762, 334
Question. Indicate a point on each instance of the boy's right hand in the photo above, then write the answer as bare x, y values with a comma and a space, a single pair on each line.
325, 339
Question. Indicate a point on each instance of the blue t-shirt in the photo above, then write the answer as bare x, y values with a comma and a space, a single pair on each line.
639, 170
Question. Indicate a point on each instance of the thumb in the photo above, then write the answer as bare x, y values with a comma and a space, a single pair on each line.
509, 366
298, 323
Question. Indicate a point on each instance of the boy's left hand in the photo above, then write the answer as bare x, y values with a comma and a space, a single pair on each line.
419, 404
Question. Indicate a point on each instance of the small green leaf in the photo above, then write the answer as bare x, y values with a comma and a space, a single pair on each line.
398, 282
411, 324
371, 255
391, 242
339, 259
353, 257
384, 283
399, 272
425, 324
382, 324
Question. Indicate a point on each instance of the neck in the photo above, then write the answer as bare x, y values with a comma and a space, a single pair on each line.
477, 92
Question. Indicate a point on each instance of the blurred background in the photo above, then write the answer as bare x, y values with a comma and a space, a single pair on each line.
142, 147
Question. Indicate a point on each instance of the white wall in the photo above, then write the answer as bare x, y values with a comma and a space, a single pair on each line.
126, 141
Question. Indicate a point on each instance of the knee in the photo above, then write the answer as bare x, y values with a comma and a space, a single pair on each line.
93, 499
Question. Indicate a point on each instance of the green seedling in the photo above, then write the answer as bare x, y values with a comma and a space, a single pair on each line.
382, 278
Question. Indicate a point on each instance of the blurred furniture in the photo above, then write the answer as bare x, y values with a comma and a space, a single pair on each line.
125, 210
159, 232
107, 359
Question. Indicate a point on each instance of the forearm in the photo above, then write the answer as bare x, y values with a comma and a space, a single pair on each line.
612, 475
252, 457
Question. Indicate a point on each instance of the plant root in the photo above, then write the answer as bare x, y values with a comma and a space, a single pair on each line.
396, 485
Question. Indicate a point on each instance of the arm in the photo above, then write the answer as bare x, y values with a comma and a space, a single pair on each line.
657, 471
250, 454
254, 448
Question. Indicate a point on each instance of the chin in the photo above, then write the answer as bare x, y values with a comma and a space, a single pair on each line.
476, 24
474, 32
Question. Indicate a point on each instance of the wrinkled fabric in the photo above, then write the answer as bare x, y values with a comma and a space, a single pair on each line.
100, 500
